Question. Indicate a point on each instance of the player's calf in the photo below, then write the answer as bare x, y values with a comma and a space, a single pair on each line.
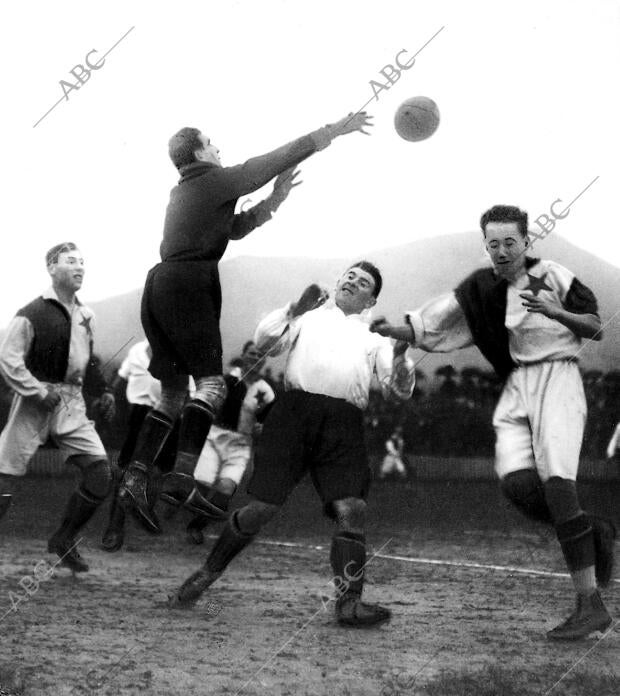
348, 561
7, 484
232, 541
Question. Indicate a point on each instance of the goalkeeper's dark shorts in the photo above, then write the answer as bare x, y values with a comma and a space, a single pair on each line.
311, 433
181, 308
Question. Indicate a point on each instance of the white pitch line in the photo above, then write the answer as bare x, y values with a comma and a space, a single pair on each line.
430, 561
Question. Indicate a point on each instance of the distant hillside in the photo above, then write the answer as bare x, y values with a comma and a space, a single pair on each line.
413, 273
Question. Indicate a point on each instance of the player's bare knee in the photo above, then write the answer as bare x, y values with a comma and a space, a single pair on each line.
350, 513
562, 499
96, 474
254, 515
525, 491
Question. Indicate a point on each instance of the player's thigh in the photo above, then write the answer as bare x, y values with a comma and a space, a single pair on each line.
72, 430
236, 452
279, 457
27, 428
209, 462
513, 438
339, 465
184, 312
560, 422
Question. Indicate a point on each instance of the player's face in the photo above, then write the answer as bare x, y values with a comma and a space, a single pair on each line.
250, 359
68, 272
208, 152
506, 246
354, 291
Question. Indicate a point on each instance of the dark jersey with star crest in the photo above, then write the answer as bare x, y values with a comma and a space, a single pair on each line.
48, 356
502, 328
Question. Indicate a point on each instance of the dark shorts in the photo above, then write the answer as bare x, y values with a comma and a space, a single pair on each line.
311, 432
181, 308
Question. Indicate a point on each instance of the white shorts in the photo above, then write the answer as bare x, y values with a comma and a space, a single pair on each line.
539, 420
29, 426
391, 463
225, 454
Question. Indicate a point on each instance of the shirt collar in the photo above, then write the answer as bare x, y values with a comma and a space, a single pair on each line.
50, 294
364, 317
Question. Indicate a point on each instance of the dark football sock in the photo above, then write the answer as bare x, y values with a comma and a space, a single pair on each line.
230, 542
80, 508
577, 542
195, 425
348, 559
153, 434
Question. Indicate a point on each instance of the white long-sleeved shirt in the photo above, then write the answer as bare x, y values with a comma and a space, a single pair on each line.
18, 341
334, 354
142, 387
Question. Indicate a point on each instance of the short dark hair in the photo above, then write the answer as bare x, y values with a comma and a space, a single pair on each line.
505, 213
246, 345
373, 271
183, 145
53, 254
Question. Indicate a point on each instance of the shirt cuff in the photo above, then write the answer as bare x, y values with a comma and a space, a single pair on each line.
417, 325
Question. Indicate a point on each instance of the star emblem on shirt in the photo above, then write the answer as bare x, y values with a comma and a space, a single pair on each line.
260, 398
86, 324
537, 284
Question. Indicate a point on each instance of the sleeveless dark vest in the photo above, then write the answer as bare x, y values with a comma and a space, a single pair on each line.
48, 357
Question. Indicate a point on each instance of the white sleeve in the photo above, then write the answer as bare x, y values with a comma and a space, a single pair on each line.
395, 375
440, 325
13, 352
275, 333
125, 369
614, 443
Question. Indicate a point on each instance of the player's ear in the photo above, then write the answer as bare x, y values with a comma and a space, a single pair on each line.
372, 301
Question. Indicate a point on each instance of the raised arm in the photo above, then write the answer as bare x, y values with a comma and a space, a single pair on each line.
277, 331
258, 171
439, 326
248, 220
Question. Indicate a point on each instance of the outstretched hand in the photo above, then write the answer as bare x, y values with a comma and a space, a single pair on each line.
282, 187
351, 123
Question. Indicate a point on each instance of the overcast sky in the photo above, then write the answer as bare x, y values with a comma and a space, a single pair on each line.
528, 94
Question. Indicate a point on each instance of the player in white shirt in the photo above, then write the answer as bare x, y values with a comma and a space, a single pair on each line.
316, 427
44, 357
528, 316
393, 460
